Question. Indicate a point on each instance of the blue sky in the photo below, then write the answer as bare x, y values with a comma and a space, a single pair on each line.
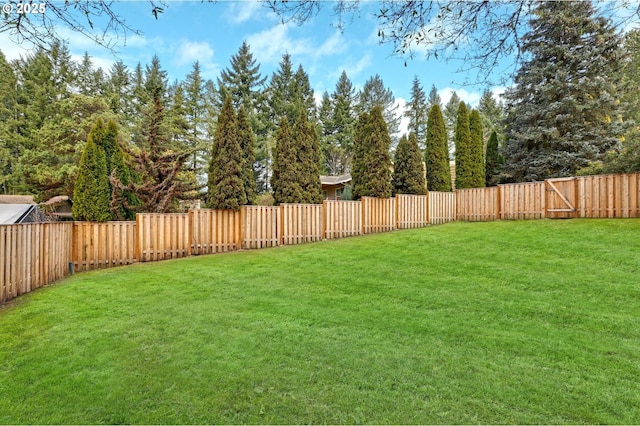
211, 33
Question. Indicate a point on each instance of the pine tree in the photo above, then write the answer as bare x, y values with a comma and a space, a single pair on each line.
492, 113
450, 114
246, 140
307, 150
476, 150
285, 181
434, 99
194, 105
9, 147
563, 111
437, 152
92, 196
226, 185
329, 148
417, 111
408, 172
375, 94
371, 173
343, 121
494, 161
464, 156
118, 93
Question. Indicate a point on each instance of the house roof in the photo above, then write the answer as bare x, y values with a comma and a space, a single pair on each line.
14, 213
16, 199
335, 180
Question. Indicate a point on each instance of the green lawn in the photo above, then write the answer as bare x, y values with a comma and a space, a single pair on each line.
502, 322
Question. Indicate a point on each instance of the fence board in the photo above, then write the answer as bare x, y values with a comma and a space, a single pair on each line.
342, 218
477, 204
31, 256
301, 223
260, 226
378, 215
613, 196
412, 211
162, 236
442, 207
522, 201
103, 245
214, 231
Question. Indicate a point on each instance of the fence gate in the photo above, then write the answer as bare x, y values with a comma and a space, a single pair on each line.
562, 198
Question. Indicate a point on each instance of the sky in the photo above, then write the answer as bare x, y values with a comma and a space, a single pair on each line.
189, 31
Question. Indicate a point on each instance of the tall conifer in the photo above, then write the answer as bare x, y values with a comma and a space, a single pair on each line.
285, 181
92, 195
464, 158
476, 150
408, 172
437, 152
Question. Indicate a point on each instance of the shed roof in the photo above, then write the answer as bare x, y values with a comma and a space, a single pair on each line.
14, 213
335, 180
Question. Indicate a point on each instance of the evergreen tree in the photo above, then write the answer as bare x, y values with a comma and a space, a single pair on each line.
417, 111
492, 114
563, 111
118, 93
494, 161
306, 147
246, 140
226, 186
450, 114
331, 152
343, 122
162, 179
437, 152
195, 116
476, 150
464, 156
284, 181
434, 99
375, 94
371, 173
9, 148
92, 196
118, 170
408, 172
245, 83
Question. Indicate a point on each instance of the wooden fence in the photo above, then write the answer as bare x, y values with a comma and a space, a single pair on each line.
442, 207
32, 255
342, 219
102, 245
36, 254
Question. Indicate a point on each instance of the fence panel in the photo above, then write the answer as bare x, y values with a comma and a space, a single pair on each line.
378, 215
302, 223
32, 255
342, 218
614, 196
442, 207
102, 245
214, 231
412, 211
477, 204
162, 236
522, 201
260, 226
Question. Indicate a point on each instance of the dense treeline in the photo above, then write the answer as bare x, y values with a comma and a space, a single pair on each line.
570, 111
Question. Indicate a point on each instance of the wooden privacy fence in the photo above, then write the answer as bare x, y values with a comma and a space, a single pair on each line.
102, 245
34, 255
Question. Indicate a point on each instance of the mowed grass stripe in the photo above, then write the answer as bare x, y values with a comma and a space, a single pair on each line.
502, 322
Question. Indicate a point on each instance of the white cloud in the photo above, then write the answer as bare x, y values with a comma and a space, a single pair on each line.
243, 11
353, 69
190, 51
269, 45
332, 46
471, 98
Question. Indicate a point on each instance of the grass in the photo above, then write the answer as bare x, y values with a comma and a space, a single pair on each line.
503, 322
